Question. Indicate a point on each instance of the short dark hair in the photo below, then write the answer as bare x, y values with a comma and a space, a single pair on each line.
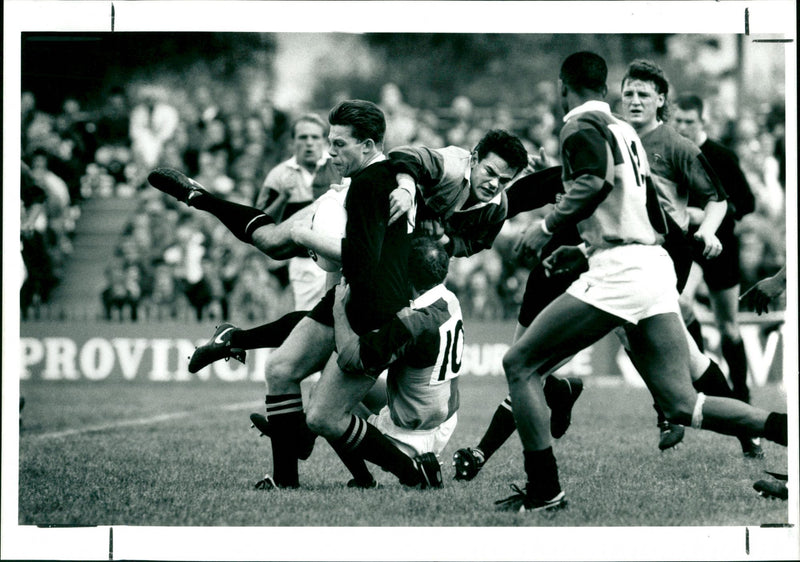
365, 118
584, 71
648, 71
428, 263
310, 118
506, 146
688, 102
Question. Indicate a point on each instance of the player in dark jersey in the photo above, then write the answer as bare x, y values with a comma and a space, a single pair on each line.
421, 347
721, 274
630, 281
680, 171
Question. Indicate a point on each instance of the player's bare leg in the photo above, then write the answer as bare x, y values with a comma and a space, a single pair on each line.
304, 352
661, 344
562, 329
354, 439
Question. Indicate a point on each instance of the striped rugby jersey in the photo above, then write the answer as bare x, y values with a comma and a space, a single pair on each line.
422, 347
608, 191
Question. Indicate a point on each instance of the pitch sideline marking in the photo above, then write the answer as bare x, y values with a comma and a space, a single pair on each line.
139, 421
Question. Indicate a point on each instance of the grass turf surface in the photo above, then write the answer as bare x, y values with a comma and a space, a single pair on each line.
176, 454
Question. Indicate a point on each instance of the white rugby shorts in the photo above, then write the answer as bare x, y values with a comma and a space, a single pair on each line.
307, 280
632, 282
414, 442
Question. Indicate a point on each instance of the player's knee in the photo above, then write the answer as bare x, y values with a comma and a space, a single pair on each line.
513, 365
280, 370
319, 421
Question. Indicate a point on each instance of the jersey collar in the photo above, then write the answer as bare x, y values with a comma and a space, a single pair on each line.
429, 297
591, 105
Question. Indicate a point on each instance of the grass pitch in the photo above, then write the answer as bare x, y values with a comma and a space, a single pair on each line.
178, 454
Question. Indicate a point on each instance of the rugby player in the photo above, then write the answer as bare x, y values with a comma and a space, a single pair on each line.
630, 282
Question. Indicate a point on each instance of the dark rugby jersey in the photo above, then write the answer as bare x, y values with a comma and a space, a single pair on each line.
442, 178
374, 255
678, 167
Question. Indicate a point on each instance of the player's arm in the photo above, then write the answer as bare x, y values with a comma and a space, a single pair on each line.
413, 166
372, 352
277, 240
759, 295
585, 154
534, 191
480, 236
706, 187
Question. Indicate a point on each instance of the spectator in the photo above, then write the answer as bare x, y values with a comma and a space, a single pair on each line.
153, 122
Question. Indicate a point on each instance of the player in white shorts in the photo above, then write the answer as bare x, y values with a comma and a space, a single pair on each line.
631, 282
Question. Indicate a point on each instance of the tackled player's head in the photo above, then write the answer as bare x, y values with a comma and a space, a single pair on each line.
427, 263
584, 73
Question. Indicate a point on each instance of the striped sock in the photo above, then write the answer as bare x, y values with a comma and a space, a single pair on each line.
241, 220
289, 436
366, 441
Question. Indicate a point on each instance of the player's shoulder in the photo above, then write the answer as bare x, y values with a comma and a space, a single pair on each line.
675, 141
718, 150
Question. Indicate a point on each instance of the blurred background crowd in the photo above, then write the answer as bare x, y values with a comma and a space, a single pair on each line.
227, 128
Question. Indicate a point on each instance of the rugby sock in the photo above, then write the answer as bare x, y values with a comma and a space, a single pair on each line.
736, 358
241, 220
696, 333
713, 383
272, 334
542, 471
356, 465
366, 441
776, 428
500, 429
291, 438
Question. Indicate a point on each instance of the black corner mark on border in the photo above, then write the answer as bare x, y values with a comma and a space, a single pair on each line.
111, 543
112, 16
746, 21
747, 540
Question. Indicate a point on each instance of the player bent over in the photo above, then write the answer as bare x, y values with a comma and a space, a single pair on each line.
422, 348
630, 282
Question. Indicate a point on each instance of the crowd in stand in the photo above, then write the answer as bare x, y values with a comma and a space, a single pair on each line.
173, 263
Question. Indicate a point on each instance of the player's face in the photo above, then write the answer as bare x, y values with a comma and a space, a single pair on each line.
640, 103
489, 176
308, 142
688, 123
348, 154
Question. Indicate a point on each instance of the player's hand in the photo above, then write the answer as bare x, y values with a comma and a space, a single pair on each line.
342, 294
432, 228
529, 246
539, 161
400, 202
566, 260
759, 295
712, 247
